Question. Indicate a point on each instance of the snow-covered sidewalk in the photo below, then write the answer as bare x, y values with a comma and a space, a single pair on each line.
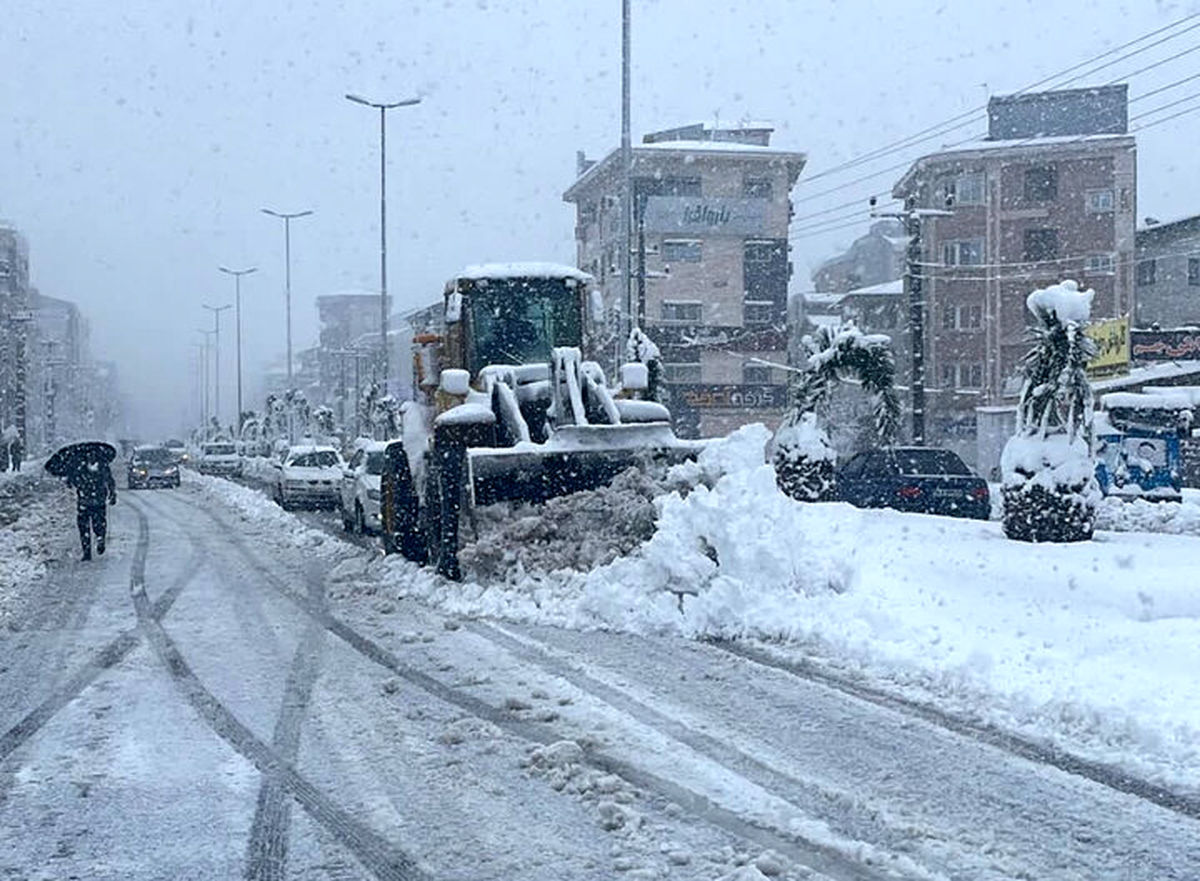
37, 517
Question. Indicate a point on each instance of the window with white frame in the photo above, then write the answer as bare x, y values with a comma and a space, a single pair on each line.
1099, 201
1102, 263
969, 189
682, 310
681, 250
962, 376
963, 252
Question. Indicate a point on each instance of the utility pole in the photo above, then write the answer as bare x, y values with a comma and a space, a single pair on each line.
626, 171
914, 280
216, 311
237, 288
207, 409
641, 257
383, 108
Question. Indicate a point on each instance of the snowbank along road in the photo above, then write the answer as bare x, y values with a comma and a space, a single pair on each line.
229, 693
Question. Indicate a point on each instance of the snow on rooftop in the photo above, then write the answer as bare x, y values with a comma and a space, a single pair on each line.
1031, 142
523, 269
1135, 401
1149, 373
887, 288
709, 147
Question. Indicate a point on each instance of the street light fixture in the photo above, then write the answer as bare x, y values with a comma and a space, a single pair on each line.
287, 268
237, 294
383, 108
216, 311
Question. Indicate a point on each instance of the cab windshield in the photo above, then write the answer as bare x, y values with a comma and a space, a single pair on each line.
317, 459
518, 321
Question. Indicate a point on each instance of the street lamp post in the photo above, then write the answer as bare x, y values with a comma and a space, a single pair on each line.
383, 108
216, 311
204, 400
237, 299
287, 269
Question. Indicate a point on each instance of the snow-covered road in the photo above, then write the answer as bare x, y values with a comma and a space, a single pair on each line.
218, 698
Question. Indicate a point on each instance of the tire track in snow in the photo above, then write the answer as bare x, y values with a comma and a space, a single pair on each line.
826, 860
105, 659
377, 855
1097, 772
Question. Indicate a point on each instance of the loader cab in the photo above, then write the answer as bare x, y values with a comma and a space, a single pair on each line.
514, 314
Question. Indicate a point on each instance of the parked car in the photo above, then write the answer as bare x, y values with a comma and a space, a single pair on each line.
150, 466
309, 475
923, 479
360, 488
220, 458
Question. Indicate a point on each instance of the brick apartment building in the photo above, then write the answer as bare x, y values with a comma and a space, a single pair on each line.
1049, 195
1167, 276
713, 204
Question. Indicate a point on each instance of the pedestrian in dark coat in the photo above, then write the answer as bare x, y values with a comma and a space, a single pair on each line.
95, 489
16, 451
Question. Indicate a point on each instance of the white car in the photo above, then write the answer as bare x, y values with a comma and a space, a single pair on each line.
360, 489
220, 458
309, 476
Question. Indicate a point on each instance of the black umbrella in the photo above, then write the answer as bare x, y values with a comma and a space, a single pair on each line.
74, 457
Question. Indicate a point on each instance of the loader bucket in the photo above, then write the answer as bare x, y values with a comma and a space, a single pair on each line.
575, 458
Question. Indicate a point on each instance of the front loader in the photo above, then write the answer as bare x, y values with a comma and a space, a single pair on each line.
518, 412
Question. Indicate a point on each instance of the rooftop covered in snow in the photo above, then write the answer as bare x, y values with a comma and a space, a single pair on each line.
523, 269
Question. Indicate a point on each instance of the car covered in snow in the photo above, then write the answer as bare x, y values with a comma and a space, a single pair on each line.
178, 449
310, 476
220, 458
927, 480
360, 488
152, 466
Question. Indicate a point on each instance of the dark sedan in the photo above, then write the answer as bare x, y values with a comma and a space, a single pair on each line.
921, 479
153, 466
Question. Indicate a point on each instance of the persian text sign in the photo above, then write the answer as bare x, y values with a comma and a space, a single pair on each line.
746, 397
701, 216
1166, 345
1112, 344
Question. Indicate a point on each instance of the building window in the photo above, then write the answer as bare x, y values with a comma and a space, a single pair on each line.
1041, 183
761, 251
965, 189
948, 374
968, 252
681, 311
1194, 270
756, 374
674, 371
963, 317
667, 186
1041, 244
1099, 263
756, 187
681, 250
760, 311
964, 376
1146, 270
1099, 201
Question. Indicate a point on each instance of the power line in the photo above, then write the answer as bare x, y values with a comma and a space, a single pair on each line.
970, 115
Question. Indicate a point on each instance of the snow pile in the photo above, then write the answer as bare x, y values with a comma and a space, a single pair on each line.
37, 521
1140, 515
254, 507
1091, 646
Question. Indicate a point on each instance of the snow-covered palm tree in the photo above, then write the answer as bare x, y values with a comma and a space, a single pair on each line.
803, 456
1049, 471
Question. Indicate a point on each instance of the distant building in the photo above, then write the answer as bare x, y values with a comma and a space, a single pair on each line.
349, 319
1028, 211
15, 317
713, 206
1167, 276
872, 259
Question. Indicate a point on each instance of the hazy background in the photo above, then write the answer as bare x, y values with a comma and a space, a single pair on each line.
141, 139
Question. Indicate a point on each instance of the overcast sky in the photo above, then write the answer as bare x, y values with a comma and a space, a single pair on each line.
141, 138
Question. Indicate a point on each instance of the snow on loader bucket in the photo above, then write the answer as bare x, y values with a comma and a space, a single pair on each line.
482, 451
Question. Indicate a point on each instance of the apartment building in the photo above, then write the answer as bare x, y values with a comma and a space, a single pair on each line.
710, 267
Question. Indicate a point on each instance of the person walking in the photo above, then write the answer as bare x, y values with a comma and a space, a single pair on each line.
95, 490
16, 452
